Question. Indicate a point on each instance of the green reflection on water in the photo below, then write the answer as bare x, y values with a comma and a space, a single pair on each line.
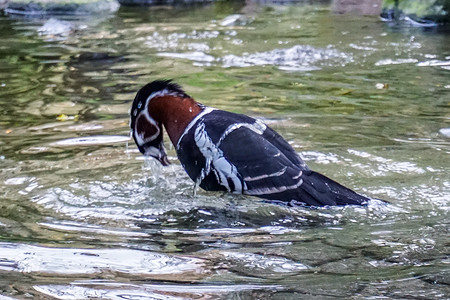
360, 101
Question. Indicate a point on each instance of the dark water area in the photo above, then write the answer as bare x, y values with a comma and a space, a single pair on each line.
84, 215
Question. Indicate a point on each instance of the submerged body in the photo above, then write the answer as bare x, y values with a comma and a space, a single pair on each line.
224, 151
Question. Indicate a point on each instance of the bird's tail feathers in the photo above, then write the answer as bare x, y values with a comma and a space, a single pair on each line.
319, 190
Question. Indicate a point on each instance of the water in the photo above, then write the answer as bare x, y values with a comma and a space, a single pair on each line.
83, 215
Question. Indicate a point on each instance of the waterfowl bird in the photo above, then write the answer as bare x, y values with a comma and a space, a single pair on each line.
224, 151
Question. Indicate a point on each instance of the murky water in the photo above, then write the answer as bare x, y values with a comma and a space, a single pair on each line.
83, 215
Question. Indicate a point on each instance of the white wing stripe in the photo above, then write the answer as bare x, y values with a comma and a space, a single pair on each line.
279, 173
299, 175
258, 127
215, 160
206, 111
274, 190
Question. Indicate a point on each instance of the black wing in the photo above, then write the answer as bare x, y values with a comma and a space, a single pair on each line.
271, 169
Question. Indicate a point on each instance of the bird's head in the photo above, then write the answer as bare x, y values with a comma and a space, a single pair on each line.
146, 124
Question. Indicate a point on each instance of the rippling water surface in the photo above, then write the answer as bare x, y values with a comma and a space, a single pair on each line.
84, 215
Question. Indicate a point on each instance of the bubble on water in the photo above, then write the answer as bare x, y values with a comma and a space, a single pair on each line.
18, 180
320, 157
56, 27
434, 63
398, 61
299, 57
379, 166
172, 41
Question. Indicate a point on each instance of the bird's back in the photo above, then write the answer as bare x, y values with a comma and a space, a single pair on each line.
224, 151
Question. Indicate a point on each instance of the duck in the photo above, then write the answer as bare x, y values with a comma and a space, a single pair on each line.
229, 152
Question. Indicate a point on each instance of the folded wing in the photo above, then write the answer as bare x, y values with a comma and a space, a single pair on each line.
271, 169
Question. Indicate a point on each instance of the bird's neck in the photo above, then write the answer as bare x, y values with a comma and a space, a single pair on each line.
175, 113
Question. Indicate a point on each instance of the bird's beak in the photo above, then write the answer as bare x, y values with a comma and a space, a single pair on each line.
158, 152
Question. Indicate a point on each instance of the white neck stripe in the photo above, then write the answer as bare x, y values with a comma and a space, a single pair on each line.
161, 93
206, 111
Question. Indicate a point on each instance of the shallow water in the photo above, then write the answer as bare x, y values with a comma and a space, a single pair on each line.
83, 215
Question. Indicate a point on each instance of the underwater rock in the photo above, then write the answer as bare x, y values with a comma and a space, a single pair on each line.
396, 17
3, 4
60, 7
359, 7
230, 20
445, 132
416, 13
160, 2
56, 27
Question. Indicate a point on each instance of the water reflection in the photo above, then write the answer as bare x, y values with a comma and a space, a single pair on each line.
80, 207
33, 259
111, 290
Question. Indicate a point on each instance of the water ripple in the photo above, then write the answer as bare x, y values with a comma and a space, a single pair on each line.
299, 57
91, 140
264, 265
116, 290
65, 261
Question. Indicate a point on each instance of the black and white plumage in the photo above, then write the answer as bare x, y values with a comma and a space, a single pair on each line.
224, 151
239, 154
